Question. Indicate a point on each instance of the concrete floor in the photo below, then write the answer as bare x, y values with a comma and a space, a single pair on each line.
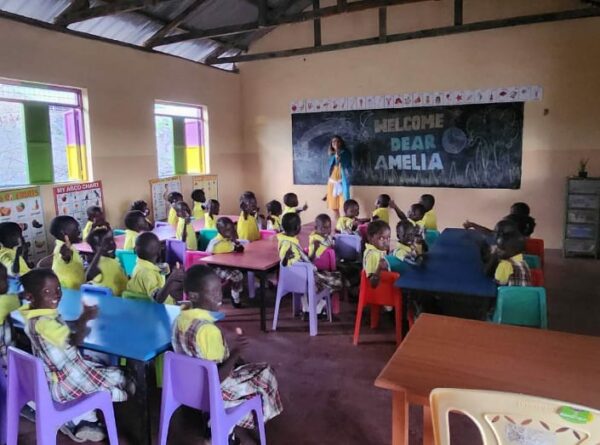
326, 383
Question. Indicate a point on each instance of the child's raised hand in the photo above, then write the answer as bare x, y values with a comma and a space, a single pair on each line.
324, 198
89, 312
66, 253
177, 274
467, 224
289, 254
238, 247
67, 241
305, 207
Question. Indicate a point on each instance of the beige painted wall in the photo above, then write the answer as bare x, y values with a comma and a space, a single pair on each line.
122, 85
561, 57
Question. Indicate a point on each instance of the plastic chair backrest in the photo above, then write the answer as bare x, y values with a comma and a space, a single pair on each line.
267, 234
127, 258
161, 224
2, 404
535, 246
296, 278
521, 306
175, 252
96, 290
431, 236
26, 377
533, 261
118, 232
384, 294
326, 261
504, 418
362, 231
193, 257
205, 236
537, 277
348, 247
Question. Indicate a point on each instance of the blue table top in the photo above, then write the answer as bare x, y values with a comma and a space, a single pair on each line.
452, 266
133, 329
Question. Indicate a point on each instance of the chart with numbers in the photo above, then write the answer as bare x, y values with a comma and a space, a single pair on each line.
159, 190
208, 183
74, 199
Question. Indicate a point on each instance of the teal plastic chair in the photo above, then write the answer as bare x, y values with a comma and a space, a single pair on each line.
533, 261
117, 232
521, 306
431, 236
397, 265
205, 235
127, 258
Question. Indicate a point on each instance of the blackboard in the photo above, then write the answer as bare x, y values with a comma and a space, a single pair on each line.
474, 146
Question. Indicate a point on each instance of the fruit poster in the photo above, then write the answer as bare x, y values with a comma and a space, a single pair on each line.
24, 206
74, 199
159, 190
208, 183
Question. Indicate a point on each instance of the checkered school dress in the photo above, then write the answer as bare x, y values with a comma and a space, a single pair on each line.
242, 384
521, 275
69, 375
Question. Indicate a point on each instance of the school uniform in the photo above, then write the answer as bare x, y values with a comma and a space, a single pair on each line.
382, 213
72, 274
147, 280
87, 229
7, 258
287, 209
195, 334
513, 272
191, 242
219, 245
198, 210
371, 259
8, 303
172, 217
247, 228
130, 237
430, 220
69, 375
274, 223
326, 242
345, 224
210, 222
111, 275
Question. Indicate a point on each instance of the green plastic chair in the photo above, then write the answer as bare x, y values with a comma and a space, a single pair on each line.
533, 261
431, 236
127, 258
521, 306
204, 238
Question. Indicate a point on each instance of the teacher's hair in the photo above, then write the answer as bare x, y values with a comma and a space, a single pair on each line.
336, 136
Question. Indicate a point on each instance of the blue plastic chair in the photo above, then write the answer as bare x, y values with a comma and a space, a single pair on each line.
96, 290
521, 306
431, 236
118, 232
205, 236
348, 247
127, 258
533, 261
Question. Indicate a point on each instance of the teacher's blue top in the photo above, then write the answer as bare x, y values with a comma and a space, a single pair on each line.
346, 164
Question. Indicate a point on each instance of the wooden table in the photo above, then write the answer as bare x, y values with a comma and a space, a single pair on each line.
448, 352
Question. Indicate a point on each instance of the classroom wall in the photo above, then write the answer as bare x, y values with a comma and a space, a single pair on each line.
558, 131
122, 85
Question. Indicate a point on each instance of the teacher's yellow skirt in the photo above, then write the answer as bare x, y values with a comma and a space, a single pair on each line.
334, 202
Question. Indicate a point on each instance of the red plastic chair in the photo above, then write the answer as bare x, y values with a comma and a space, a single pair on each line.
193, 257
535, 246
362, 231
327, 262
537, 277
386, 294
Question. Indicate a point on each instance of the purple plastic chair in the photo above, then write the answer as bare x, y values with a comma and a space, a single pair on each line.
348, 247
175, 252
300, 279
27, 382
161, 224
327, 262
195, 383
2, 405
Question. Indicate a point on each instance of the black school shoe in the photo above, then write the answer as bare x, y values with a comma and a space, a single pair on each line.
236, 304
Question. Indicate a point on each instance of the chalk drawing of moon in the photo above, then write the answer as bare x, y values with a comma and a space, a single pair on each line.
454, 140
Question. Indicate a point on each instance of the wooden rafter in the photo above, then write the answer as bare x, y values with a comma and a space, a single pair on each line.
173, 24
317, 24
76, 5
116, 7
434, 32
458, 12
329, 11
382, 25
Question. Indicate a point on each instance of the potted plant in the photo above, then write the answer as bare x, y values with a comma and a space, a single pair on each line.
583, 168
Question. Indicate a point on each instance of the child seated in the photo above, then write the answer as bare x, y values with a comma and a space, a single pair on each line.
212, 211
104, 269
430, 218
274, 212
199, 199
185, 231
506, 260
8, 303
96, 218
382, 211
410, 248
416, 214
519, 213
147, 279
349, 222
70, 376
67, 263
142, 206
135, 223
247, 225
290, 252
376, 249
173, 198
196, 334
290, 201
13, 253
226, 242
320, 239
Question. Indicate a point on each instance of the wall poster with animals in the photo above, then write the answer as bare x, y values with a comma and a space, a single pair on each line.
208, 183
74, 199
159, 190
24, 206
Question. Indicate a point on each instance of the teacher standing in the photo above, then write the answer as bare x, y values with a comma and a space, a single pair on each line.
340, 166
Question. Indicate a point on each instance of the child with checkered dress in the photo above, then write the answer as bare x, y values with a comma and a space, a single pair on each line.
196, 334
506, 259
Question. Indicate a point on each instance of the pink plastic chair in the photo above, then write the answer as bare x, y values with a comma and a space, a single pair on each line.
175, 252
327, 262
266, 234
300, 279
27, 382
348, 247
193, 257
195, 383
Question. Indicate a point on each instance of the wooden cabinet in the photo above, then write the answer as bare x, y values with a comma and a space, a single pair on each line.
582, 217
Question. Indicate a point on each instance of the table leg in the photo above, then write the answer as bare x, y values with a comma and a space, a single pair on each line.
263, 310
133, 416
399, 418
404, 313
427, 426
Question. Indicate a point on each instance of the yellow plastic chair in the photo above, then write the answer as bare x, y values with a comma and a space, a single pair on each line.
515, 419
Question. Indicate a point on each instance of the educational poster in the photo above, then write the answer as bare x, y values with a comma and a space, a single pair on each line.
208, 183
74, 199
24, 206
159, 190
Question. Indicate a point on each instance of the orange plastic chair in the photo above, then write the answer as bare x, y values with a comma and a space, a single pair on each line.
535, 246
537, 277
386, 294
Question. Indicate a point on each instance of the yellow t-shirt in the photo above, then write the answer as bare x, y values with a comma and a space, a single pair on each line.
8, 303
371, 259
146, 279
220, 245
208, 338
130, 237
191, 242
287, 209
382, 213
247, 228
111, 275
7, 258
286, 242
344, 224
50, 329
420, 223
505, 269
71, 275
275, 224
86, 230
198, 210
401, 251
430, 220
172, 218
210, 222
325, 243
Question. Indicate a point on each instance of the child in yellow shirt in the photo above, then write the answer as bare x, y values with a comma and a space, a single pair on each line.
172, 199
104, 269
410, 247
320, 239
290, 201
376, 249
135, 223
247, 225
96, 218
349, 222
199, 199
213, 207
185, 231
382, 208
13, 253
274, 212
67, 263
147, 279
506, 260
429, 218
142, 206
8, 303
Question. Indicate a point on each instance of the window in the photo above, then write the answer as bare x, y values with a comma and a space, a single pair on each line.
180, 139
41, 134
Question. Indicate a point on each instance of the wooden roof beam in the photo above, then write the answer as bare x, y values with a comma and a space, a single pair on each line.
116, 7
173, 24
